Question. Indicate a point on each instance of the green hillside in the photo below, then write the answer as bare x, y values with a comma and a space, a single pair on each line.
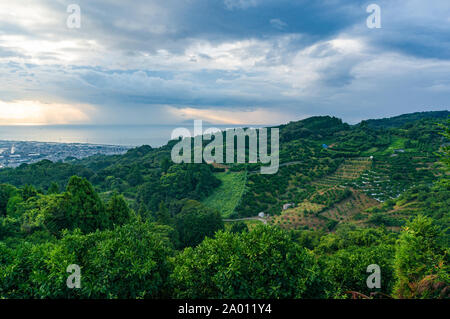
400, 120
141, 226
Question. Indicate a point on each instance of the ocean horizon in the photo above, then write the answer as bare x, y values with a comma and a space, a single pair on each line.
124, 135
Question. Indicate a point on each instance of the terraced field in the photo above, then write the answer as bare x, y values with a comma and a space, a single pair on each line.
350, 170
351, 208
315, 213
377, 184
304, 215
345, 195
313, 216
393, 175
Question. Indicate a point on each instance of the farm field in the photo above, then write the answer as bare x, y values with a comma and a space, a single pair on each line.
316, 216
227, 196
351, 208
251, 224
298, 217
397, 143
350, 170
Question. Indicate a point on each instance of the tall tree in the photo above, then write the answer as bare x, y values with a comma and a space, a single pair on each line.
118, 210
53, 189
87, 211
420, 264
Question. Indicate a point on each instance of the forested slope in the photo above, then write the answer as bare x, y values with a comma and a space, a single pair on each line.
141, 226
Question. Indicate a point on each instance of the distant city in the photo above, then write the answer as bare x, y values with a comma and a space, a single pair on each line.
14, 153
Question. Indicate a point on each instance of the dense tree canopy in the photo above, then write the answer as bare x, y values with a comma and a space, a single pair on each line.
131, 261
421, 265
263, 263
195, 222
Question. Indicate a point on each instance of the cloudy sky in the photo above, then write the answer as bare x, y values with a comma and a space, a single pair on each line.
225, 61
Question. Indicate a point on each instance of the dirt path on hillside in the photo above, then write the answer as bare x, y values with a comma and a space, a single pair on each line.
263, 220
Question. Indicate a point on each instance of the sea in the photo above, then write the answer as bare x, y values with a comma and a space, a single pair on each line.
124, 135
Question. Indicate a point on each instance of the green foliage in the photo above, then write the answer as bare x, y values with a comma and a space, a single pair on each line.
124, 254
13, 205
85, 209
347, 268
131, 261
398, 121
9, 227
53, 189
383, 220
117, 210
6, 192
420, 263
195, 181
162, 215
134, 178
195, 222
445, 154
263, 263
346, 254
28, 191
43, 173
79, 207
238, 227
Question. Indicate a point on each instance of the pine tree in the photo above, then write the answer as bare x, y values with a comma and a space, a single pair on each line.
118, 210
87, 210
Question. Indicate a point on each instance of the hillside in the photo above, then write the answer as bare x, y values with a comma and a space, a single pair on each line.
400, 120
141, 226
376, 165
321, 159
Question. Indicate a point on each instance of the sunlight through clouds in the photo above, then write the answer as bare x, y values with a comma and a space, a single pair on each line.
38, 113
236, 117
244, 56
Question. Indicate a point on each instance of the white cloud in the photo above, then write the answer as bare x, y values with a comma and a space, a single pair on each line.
30, 14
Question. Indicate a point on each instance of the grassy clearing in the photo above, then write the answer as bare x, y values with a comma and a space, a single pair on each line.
397, 143
226, 197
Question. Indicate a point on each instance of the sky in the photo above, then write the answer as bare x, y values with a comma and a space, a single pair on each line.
222, 61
